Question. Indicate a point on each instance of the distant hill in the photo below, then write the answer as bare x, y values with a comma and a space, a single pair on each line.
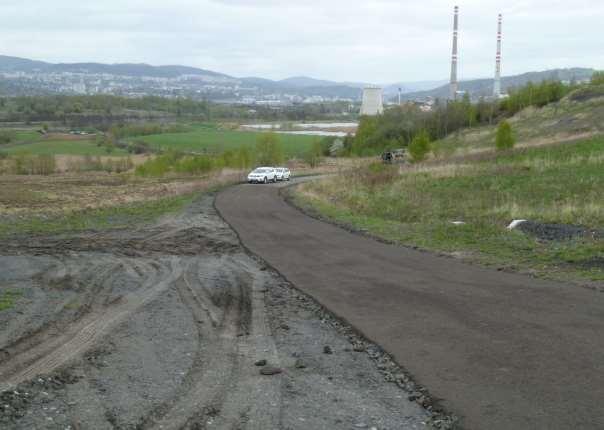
305, 82
410, 87
484, 87
305, 86
201, 83
15, 64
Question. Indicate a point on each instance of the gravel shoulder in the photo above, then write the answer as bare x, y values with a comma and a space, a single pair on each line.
176, 326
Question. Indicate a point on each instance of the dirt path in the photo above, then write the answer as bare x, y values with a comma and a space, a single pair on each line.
504, 351
161, 327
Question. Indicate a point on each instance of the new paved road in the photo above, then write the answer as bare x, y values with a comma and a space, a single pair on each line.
502, 350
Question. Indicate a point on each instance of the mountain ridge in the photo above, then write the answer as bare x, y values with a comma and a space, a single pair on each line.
301, 86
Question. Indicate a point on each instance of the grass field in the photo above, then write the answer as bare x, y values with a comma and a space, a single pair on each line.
60, 147
214, 140
203, 138
552, 184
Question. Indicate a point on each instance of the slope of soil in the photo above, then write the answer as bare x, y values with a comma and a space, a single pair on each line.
161, 327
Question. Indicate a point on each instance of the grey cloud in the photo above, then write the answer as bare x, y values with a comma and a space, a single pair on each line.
377, 41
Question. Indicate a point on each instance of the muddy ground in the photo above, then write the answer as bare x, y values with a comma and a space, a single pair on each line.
169, 326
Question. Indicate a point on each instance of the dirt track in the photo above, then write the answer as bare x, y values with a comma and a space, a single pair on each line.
161, 328
502, 350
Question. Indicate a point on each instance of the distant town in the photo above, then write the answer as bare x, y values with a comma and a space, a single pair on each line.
19, 77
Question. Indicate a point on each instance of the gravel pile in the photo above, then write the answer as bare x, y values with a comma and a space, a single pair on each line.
553, 232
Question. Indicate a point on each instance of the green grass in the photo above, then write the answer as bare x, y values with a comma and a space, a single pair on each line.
59, 147
27, 136
7, 299
96, 219
216, 141
562, 184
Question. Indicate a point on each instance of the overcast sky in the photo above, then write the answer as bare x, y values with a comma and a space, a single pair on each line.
377, 41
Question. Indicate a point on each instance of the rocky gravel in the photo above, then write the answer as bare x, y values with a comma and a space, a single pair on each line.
551, 232
176, 326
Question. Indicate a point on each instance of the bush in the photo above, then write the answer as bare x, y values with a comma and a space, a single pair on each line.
237, 159
597, 78
139, 147
420, 147
315, 154
156, 167
6, 136
269, 150
25, 164
194, 165
376, 175
505, 137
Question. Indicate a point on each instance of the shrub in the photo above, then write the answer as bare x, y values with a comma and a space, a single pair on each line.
139, 147
377, 174
6, 136
155, 167
269, 150
505, 137
420, 147
194, 165
240, 158
597, 78
315, 154
26, 164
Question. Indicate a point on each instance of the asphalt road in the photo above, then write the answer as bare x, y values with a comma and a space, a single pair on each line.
501, 350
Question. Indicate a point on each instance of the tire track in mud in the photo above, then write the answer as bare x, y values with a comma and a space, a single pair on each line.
228, 305
46, 337
78, 337
263, 408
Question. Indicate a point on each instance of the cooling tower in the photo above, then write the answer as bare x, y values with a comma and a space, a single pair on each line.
373, 103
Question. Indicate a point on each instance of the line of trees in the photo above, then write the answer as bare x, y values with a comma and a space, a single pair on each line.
62, 108
398, 126
106, 109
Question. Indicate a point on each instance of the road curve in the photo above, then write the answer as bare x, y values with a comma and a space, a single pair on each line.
501, 350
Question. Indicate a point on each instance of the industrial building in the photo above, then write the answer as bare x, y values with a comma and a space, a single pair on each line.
373, 102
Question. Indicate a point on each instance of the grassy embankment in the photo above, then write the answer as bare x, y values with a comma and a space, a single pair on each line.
580, 114
94, 201
557, 183
121, 216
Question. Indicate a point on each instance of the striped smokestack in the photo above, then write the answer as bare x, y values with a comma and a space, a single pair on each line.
453, 90
497, 83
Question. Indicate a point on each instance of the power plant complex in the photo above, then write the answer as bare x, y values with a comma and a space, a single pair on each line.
372, 96
454, 85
